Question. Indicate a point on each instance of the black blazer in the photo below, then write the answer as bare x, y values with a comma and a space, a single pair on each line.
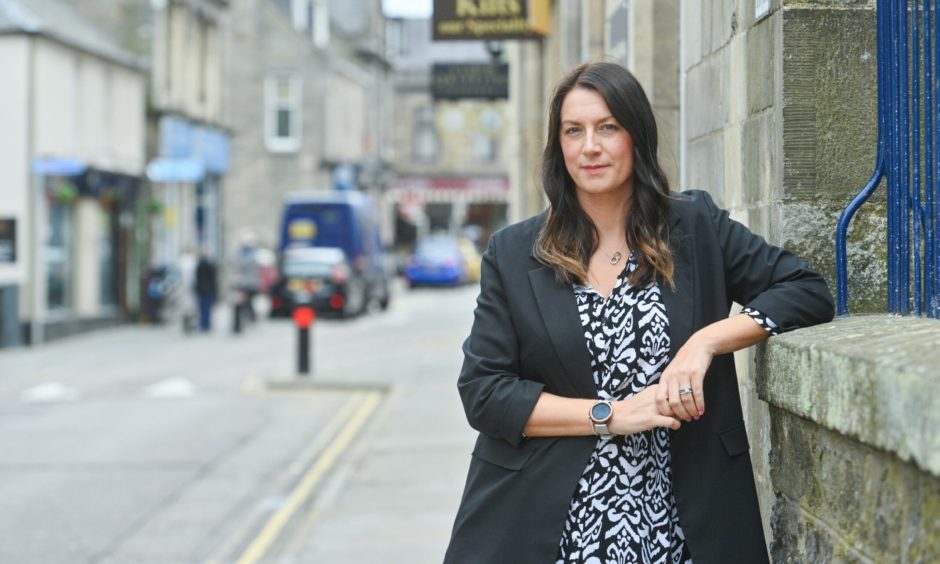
527, 337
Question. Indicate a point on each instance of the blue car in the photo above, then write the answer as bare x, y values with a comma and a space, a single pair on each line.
436, 262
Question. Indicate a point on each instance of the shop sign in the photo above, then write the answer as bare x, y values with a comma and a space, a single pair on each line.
471, 183
58, 166
450, 81
167, 169
491, 19
7, 240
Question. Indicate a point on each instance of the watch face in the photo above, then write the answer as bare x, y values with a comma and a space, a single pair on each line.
600, 411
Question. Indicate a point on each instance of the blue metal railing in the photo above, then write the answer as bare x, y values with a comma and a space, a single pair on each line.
908, 110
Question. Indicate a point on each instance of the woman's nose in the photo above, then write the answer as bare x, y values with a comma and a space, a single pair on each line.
591, 145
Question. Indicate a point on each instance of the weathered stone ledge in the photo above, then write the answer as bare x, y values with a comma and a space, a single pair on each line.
872, 377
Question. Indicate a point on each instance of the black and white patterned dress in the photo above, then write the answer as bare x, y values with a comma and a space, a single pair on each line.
623, 510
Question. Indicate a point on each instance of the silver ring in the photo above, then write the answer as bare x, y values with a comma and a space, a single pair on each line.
685, 390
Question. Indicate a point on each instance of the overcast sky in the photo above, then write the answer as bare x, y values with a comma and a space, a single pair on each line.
407, 8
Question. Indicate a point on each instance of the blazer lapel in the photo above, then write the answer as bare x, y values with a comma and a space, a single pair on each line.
559, 311
680, 306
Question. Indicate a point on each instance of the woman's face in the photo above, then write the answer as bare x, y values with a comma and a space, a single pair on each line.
598, 151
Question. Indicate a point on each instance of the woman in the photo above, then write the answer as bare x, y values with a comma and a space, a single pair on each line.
599, 369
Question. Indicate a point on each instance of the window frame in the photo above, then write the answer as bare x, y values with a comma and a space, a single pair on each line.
273, 105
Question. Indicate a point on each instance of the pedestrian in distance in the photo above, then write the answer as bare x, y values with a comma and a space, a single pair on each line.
598, 370
188, 299
207, 290
246, 277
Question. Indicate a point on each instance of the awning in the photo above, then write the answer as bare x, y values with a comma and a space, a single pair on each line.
58, 166
170, 169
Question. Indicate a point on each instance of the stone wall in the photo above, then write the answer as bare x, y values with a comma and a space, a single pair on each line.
854, 447
779, 124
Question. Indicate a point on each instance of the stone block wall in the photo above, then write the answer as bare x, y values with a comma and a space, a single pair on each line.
780, 125
854, 452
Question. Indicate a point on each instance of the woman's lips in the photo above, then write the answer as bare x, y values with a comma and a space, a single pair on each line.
594, 169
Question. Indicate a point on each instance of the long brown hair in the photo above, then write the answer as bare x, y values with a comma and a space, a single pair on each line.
569, 238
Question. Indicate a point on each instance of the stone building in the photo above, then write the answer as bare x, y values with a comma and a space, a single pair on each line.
451, 161
181, 42
308, 90
71, 162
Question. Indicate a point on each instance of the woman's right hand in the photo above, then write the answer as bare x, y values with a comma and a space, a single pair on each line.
639, 413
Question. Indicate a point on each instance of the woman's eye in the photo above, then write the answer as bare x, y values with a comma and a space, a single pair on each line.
608, 127
572, 131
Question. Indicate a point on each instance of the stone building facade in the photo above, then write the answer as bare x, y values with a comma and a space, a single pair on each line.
307, 84
71, 163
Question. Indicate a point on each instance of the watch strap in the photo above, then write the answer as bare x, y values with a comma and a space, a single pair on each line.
601, 430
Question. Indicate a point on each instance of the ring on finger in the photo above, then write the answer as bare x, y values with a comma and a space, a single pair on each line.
685, 390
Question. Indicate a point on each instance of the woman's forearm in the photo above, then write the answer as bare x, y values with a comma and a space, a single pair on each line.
557, 416
729, 335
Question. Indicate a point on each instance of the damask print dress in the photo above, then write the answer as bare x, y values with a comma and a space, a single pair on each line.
623, 510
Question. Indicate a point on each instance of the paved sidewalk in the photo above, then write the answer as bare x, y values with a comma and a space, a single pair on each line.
393, 497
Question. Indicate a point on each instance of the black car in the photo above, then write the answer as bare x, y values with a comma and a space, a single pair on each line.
320, 277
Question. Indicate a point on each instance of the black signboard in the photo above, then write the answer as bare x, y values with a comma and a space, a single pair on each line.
7, 240
457, 81
490, 19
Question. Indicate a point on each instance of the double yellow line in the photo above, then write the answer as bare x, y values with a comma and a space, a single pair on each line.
324, 463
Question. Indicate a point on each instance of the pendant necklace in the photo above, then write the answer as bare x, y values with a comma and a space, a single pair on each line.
613, 259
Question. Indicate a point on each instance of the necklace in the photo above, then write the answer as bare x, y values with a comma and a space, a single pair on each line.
615, 258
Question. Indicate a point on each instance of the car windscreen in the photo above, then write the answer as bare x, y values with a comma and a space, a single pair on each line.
437, 250
307, 269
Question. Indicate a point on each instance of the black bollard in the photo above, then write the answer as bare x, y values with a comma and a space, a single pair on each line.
303, 351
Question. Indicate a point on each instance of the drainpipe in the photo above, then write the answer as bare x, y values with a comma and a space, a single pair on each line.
36, 191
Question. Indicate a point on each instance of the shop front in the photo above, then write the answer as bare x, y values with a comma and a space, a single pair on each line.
86, 255
187, 181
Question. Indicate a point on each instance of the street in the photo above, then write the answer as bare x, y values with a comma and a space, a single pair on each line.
142, 444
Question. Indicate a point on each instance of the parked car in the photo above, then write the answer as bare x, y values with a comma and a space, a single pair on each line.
320, 277
436, 262
344, 220
472, 261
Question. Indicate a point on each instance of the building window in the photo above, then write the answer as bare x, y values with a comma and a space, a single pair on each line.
282, 112
484, 148
425, 135
312, 17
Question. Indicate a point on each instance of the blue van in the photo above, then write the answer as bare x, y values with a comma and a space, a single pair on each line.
344, 220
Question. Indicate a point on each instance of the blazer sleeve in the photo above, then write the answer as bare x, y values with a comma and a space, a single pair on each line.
767, 278
497, 401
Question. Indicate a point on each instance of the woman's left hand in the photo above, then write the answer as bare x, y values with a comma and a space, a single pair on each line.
687, 370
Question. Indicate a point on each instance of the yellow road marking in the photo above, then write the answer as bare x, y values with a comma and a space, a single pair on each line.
272, 529
299, 463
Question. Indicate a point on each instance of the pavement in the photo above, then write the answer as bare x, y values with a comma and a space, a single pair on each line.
381, 480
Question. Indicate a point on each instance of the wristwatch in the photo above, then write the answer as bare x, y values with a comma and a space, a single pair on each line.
600, 414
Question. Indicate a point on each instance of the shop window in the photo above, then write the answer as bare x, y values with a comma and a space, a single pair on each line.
282, 102
59, 256
107, 257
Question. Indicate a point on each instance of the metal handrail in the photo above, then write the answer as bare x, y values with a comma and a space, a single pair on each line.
909, 173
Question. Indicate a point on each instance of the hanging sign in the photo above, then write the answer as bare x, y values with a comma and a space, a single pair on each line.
455, 81
491, 19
